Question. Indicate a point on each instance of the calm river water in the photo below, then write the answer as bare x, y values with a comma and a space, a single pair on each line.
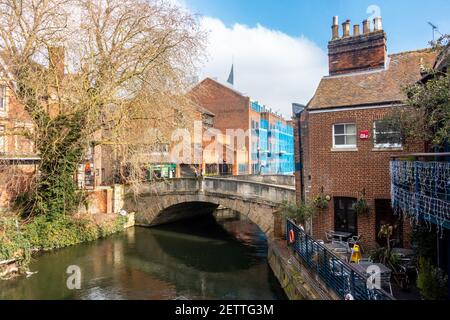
202, 259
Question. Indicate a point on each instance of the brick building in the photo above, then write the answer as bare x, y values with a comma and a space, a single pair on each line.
17, 153
153, 146
346, 145
268, 146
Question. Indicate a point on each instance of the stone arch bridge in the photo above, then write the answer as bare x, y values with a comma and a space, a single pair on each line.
173, 200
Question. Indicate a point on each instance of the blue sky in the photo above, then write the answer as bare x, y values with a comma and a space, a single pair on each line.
405, 21
280, 46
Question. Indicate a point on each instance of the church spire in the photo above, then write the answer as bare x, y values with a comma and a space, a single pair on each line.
231, 76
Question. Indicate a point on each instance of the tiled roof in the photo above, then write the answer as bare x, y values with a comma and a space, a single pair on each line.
373, 87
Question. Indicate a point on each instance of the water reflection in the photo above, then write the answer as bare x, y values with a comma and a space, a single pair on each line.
201, 259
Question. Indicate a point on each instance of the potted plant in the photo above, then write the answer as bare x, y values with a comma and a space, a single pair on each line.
321, 202
385, 255
361, 206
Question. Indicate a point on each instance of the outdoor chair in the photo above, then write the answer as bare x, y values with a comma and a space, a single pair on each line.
355, 240
385, 280
329, 235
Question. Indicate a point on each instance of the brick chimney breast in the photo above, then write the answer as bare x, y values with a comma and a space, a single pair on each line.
359, 52
56, 57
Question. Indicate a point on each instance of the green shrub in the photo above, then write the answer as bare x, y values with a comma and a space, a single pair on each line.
432, 282
300, 213
13, 243
424, 240
17, 240
64, 231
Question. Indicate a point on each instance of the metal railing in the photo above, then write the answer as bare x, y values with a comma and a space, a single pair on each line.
421, 187
337, 275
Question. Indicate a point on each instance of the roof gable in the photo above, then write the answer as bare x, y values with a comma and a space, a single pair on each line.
373, 87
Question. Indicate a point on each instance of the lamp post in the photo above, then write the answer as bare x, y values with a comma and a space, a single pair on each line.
298, 110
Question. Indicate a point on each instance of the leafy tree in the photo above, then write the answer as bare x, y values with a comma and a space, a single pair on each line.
427, 117
128, 65
300, 213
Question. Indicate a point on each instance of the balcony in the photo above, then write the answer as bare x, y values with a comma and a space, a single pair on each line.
421, 187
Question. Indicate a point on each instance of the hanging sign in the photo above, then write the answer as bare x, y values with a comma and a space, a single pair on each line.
364, 135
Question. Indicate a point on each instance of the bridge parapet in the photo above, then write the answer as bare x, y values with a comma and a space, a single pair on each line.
246, 190
275, 179
249, 190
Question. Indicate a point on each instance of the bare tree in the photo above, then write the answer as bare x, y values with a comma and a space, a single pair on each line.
127, 67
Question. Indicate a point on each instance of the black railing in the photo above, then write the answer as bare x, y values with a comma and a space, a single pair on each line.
337, 275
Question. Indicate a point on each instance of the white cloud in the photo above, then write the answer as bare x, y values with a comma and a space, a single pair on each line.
270, 66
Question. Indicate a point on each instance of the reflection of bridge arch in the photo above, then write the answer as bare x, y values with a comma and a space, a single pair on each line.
179, 199
198, 283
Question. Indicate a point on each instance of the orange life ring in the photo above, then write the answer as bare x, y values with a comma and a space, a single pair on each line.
291, 237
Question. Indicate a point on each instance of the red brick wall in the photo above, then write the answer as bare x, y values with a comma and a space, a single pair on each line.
231, 109
358, 53
14, 179
348, 173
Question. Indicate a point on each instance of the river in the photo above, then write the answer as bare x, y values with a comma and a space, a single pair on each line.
209, 258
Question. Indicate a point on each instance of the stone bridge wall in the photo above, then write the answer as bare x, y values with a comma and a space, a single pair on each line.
177, 199
281, 180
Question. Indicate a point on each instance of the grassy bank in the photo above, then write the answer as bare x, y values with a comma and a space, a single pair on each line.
18, 239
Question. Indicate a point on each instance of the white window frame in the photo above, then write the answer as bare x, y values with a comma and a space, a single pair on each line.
384, 145
344, 146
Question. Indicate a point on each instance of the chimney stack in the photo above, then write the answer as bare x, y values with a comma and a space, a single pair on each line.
56, 69
377, 24
56, 56
357, 52
356, 30
366, 26
335, 28
346, 27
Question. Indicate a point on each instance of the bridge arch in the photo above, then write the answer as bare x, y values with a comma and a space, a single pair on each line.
178, 199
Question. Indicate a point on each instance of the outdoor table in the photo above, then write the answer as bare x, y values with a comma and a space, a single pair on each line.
403, 253
337, 249
342, 236
362, 267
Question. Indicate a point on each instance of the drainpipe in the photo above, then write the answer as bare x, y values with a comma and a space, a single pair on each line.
298, 110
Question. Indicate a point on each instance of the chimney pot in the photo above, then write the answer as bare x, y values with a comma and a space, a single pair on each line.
335, 20
335, 28
377, 24
366, 26
356, 30
346, 27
